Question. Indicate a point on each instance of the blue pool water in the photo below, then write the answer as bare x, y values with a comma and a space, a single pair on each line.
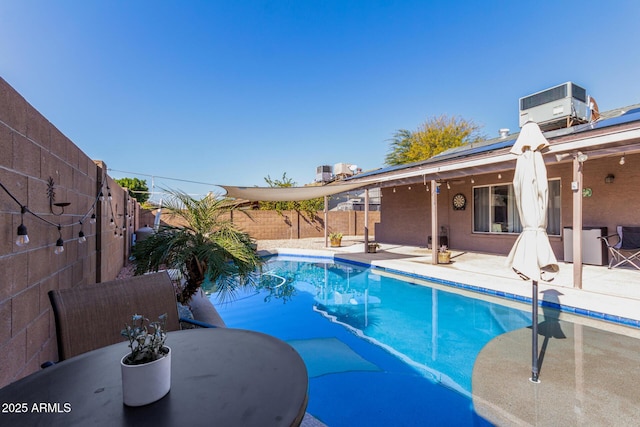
379, 351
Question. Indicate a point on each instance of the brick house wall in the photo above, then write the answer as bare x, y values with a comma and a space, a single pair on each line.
406, 213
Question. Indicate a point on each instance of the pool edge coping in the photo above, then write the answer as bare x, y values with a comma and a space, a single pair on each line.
563, 308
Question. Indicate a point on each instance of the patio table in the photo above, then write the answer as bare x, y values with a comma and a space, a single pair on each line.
220, 376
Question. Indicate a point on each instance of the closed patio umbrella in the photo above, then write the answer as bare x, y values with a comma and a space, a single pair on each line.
531, 256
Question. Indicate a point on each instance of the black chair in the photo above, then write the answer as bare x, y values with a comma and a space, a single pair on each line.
624, 247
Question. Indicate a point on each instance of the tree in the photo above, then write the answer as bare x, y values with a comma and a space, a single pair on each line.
400, 146
309, 207
137, 188
435, 135
207, 247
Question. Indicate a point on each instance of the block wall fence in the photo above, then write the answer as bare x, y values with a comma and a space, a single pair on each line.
33, 151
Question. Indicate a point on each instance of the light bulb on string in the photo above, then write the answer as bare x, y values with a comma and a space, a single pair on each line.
23, 237
81, 236
59, 243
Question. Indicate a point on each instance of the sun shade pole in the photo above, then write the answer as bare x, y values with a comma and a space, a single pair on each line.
326, 218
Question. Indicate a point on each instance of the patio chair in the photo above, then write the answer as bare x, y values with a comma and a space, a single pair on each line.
92, 316
624, 246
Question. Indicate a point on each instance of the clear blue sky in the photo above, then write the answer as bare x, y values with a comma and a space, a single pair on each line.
229, 92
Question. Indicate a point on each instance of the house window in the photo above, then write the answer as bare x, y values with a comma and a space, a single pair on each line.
495, 210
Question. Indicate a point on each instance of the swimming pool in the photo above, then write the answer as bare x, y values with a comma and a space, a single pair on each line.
379, 351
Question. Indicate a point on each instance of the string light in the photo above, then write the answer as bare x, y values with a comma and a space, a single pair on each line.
81, 236
23, 237
59, 243
622, 160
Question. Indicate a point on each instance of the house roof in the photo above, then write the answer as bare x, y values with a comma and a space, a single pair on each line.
617, 131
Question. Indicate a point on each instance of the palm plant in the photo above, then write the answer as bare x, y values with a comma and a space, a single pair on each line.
205, 246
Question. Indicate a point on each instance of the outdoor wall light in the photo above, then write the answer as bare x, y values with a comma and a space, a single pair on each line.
622, 160
609, 178
581, 157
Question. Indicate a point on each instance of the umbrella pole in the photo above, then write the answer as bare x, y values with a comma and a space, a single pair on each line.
534, 333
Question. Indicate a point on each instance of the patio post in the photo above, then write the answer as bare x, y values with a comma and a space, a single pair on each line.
326, 218
435, 235
366, 221
576, 186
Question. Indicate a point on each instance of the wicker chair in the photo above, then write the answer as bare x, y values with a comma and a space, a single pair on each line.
92, 316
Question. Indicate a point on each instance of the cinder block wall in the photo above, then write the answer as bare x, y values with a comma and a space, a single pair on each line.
271, 225
268, 225
33, 151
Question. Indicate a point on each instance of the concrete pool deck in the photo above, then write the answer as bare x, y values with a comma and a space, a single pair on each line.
589, 368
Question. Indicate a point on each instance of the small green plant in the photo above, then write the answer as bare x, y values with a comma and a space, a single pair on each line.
336, 236
443, 249
146, 341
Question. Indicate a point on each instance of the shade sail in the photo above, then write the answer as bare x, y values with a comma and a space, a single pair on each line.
288, 194
532, 256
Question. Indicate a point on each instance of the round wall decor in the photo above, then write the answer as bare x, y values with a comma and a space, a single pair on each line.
459, 202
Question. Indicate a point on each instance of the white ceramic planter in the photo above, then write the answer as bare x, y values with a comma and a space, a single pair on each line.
144, 384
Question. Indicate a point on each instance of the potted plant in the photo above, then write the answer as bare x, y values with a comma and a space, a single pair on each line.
336, 239
372, 247
146, 370
444, 255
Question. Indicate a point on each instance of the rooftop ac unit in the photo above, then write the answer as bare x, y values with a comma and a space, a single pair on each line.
323, 173
342, 169
558, 107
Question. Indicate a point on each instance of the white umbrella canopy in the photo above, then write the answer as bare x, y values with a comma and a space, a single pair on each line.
532, 256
